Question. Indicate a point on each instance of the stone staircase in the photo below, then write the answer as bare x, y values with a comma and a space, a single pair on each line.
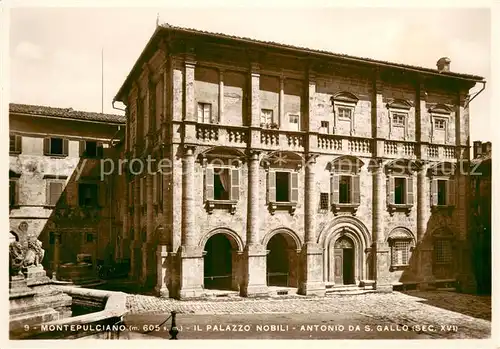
365, 286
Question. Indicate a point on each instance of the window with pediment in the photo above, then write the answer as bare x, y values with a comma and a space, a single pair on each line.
443, 186
345, 184
222, 169
282, 180
440, 123
398, 111
344, 107
400, 185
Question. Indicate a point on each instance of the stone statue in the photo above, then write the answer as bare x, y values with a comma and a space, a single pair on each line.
34, 254
16, 258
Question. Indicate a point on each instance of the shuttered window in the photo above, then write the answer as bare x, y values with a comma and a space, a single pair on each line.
400, 191
15, 145
442, 192
13, 192
222, 183
345, 189
54, 191
55, 146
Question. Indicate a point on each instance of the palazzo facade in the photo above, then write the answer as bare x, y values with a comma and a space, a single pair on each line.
275, 165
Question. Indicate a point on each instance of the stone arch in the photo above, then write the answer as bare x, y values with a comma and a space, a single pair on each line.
401, 233
222, 150
357, 232
399, 104
282, 158
233, 237
346, 97
290, 236
353, 163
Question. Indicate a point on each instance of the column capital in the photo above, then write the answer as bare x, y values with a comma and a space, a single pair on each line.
311, 158
255, 67
188, 149
254, 154
189, 62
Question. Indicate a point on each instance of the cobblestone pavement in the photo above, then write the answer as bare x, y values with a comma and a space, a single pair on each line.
398, 308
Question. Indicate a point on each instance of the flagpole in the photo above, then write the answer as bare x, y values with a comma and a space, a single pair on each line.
102, 80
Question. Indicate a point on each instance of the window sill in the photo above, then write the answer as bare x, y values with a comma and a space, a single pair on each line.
213, 204
338, 207
443, 208
399, 267
399, 207
278, 205
57, 156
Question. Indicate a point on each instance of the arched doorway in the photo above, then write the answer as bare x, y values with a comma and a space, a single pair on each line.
344, 261
218, 263
282, 261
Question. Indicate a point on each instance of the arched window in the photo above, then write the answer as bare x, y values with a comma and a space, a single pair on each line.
401, 242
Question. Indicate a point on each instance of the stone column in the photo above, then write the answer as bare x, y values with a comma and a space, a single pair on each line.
254, 281
191, 255
57, 253
190, 116
282, 103
221, 96
162, 274
135, 245
311, 281
148, 251
380, 249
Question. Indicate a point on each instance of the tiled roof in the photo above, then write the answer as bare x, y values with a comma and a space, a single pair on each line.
67, 113
168, 27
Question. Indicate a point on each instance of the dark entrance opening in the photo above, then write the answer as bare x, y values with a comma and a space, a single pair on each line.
344, 261
218, 263
280, 267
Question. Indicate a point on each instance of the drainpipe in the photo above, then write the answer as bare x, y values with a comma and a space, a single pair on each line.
474, 96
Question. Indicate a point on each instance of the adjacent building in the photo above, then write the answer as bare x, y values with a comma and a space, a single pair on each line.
55, 190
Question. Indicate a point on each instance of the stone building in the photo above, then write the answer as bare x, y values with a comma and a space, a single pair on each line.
284, 166
55, 191
481, 215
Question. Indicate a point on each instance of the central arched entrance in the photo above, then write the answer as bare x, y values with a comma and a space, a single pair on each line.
221, 262
282, 260
344, 261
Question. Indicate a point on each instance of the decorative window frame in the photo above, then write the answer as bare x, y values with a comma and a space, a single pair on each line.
400, 234
57, 180
440, 112
394, 170
293, 166
299, 123
399, 106
443, 171
212, 120
233, 164
344, 100
443, 235
353, 171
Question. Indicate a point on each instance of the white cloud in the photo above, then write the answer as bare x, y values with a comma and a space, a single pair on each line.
28, 50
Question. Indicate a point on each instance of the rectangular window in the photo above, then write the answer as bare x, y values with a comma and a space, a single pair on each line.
442, 251
205, 112
54, 191
399, 191
398, 119
87, 194
282, 186
345, 113
294, 121
15, 144
442, 192
266, 117
400, 252
325, 127
13, 190
92, 148
323, 201
345, 190
222, 183
89, 237
55, 146
440, 124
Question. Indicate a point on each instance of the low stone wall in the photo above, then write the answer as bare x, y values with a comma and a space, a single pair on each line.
105, 322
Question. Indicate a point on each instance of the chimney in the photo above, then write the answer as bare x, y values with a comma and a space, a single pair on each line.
443, 64
477, 149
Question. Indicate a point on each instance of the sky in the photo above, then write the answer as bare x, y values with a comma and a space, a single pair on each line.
55, 53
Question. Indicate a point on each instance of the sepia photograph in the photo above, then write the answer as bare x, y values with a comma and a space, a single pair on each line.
239, 173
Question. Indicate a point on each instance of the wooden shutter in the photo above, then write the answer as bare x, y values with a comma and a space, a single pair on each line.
271, 186
19, 143
409, 191
81, 147
434, 192
334, 189
451, 192
390, 190
55, 190
65, 146
294, 187
100, 149
209, 183
155, 188
355, 192
235, 184
141, 191
200, 112
46, 146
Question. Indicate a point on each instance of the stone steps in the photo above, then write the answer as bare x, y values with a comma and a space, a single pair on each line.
348, 289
